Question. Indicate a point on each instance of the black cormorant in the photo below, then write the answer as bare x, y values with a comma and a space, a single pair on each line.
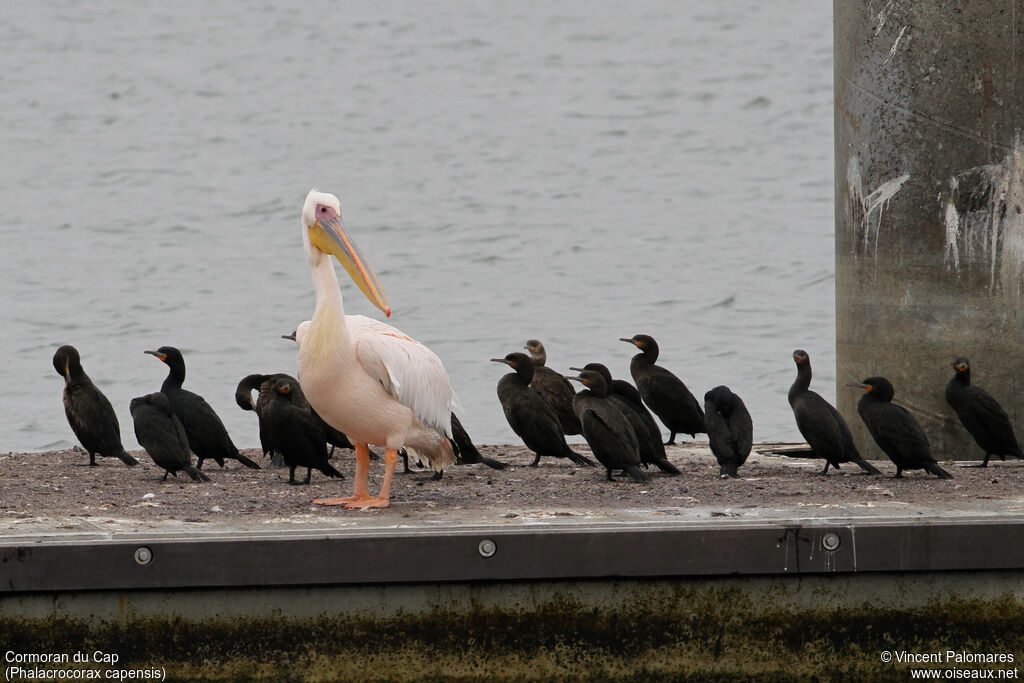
207, 436
895, 430
295, 434
824, 429
608, 433
663, 392
981, 415
162, 435
730, 429
529, 414
264, 384
627, 399
89, 413
553, 387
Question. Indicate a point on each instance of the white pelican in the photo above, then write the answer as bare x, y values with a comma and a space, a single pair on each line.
364, 377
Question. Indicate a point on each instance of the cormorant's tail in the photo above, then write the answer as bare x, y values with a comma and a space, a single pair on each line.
127, 459
665, 466
866, 466
635, 473
492, 463
792, 452
197, 475
246, 461
581, 459
329, 470
933, 468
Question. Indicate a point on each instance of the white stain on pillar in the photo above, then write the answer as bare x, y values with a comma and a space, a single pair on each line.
983, 215
874, 206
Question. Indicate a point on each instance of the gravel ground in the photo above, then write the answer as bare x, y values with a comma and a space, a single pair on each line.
59, 484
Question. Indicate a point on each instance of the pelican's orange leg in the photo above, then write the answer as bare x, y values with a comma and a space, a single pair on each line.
362, 474
384, 499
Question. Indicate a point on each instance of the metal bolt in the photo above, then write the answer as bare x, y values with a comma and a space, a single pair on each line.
143, 555
487, 548
831, 541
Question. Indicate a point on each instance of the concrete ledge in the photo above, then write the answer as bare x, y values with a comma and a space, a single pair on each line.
154, 561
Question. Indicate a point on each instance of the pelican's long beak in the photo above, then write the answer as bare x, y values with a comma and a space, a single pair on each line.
331, 238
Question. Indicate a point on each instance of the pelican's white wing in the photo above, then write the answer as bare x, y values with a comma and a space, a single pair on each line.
406, 369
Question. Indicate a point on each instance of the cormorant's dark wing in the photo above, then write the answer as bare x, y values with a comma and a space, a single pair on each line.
93, 419
162, 436
719, 436
612, 421
557, 392
305, 433
741, 427
845, 435
817, 421
530, 417
669, 399
896, 427
207, 436
732, 437
989, 416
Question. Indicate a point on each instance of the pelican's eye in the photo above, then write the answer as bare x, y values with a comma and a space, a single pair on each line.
326, 213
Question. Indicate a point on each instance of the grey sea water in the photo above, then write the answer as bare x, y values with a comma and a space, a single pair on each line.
575, 172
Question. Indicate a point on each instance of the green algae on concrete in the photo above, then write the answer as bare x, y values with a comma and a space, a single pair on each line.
750, 628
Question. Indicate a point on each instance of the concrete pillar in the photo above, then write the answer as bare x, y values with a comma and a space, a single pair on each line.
929, 139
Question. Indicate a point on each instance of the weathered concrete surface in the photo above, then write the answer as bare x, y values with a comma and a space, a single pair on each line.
929, 140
